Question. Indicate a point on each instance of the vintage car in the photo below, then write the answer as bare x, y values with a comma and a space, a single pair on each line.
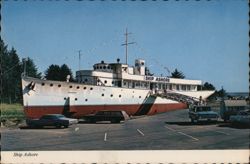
114, 116
57, 120
242, 118
199, 113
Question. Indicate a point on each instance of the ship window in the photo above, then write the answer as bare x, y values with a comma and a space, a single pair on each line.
59, 85
139, 97
137, 84
77, 87
43, 84
65, 98
100, 67
142, 63
91, 88
104, 67
105, 81
120, 95
85, 80
183, 87
97, 67
103, 94
51, 85
86, 99
84, 87
188, 87
111, 95
177, 87
70, 86
124, 83
75, 99
108, 67
112, 82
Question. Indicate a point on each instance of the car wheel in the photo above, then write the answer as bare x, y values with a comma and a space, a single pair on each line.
58, 126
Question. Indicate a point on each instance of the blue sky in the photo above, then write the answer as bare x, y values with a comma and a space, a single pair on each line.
206, 40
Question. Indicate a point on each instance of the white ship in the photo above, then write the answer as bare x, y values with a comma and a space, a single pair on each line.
109, 86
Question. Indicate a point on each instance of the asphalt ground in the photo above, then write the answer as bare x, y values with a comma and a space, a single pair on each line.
167, 131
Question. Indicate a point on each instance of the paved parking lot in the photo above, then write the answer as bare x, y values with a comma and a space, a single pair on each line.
168, 131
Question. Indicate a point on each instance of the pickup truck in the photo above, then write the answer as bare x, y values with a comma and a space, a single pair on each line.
198, 113
112, 116
57, 120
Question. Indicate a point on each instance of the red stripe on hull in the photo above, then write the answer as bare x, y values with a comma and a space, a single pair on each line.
79, 111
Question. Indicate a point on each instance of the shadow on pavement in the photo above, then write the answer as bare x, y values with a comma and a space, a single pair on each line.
234, 126
182, 123
45, 127
100, 122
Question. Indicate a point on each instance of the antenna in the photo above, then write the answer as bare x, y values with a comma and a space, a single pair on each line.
79, 59
126, 44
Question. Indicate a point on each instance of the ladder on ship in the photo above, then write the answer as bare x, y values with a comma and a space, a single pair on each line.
178, 97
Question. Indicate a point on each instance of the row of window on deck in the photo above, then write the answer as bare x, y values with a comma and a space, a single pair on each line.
142, 84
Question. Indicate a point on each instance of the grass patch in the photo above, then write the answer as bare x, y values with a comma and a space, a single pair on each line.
11, 113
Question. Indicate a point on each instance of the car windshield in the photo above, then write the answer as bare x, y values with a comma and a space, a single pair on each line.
202, 109
60, 116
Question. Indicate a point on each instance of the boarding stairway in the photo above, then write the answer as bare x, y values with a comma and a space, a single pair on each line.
177, 97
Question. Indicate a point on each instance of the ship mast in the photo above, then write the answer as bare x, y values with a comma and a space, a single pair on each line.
126, 44
79, 59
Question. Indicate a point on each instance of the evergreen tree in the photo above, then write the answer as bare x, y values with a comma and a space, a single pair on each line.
4, 66
55, 72
14, 77
31, 69
64, 72
221, 93
208, 86
177, 74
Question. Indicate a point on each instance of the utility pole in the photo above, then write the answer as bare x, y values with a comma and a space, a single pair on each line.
126, 44
79, 59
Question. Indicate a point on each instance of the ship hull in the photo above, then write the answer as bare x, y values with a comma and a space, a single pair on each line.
79, 111
76, 100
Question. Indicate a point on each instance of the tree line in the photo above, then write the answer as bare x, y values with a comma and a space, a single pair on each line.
12, 68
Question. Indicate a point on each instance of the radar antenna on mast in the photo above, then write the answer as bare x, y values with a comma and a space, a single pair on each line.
126, 44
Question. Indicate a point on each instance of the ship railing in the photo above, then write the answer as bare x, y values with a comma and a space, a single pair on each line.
177, 97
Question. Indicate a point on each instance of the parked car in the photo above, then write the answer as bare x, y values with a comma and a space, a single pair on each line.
57, 120
229, 108
242, 118
198, 113
113, 116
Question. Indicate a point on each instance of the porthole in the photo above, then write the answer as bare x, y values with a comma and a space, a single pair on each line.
77, 87
84, 87
65, 98
59, 85
70, 86
86, 99
75, 99
104, 67
112, 82
120, 95
103, 94
43, 84
91, 88
111, 95
105, 81
139, 97
51, 85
